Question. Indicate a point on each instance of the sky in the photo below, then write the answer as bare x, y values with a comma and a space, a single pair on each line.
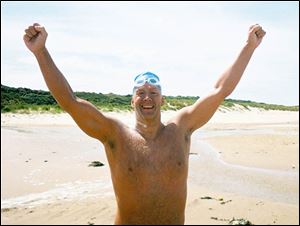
101, 46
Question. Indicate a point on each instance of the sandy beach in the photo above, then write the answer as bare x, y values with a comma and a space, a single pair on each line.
244, 164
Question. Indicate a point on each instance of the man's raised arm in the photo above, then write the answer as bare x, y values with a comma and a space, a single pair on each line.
88, 118
195, 116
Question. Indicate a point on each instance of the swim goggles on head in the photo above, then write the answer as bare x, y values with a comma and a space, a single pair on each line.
148, 77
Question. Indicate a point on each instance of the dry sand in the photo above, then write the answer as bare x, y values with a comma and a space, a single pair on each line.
243, 164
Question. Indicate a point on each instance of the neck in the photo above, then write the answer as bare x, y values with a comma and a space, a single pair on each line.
149, 129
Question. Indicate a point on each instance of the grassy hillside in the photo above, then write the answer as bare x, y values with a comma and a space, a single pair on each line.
26, 100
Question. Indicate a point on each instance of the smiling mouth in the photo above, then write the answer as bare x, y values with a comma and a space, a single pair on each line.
148, 107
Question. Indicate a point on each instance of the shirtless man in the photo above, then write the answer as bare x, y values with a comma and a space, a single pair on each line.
148, 163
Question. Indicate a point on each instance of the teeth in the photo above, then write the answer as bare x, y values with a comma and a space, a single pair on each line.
148, 107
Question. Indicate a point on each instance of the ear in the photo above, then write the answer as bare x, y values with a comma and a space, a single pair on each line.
162, 101
132, 102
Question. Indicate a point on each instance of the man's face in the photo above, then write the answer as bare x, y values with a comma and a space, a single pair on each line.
147, 101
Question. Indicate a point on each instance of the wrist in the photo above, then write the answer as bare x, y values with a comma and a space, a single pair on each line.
249, 47
39, 52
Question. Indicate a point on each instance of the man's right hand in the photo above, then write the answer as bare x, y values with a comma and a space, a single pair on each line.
35, 38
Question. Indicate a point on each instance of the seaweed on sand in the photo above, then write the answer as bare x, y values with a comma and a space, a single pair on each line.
96, 164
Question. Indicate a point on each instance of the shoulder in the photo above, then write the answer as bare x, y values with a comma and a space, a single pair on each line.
177, 119
175, 126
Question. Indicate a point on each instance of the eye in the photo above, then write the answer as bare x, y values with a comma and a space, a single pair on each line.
140, 92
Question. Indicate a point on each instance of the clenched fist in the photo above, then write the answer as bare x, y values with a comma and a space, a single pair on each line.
255, 35
35, 38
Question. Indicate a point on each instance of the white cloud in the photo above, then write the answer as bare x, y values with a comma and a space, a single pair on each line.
102, 46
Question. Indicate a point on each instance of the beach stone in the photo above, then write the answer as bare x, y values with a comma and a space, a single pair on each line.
240, 221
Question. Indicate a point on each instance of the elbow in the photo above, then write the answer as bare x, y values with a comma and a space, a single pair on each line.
226, 93
223, 92
66, 104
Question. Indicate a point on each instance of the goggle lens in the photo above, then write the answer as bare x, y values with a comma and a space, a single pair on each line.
142, 81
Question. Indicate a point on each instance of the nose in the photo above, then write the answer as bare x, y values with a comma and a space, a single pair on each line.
147, 97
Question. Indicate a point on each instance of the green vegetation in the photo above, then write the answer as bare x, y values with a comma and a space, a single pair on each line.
247, 103
23, 100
